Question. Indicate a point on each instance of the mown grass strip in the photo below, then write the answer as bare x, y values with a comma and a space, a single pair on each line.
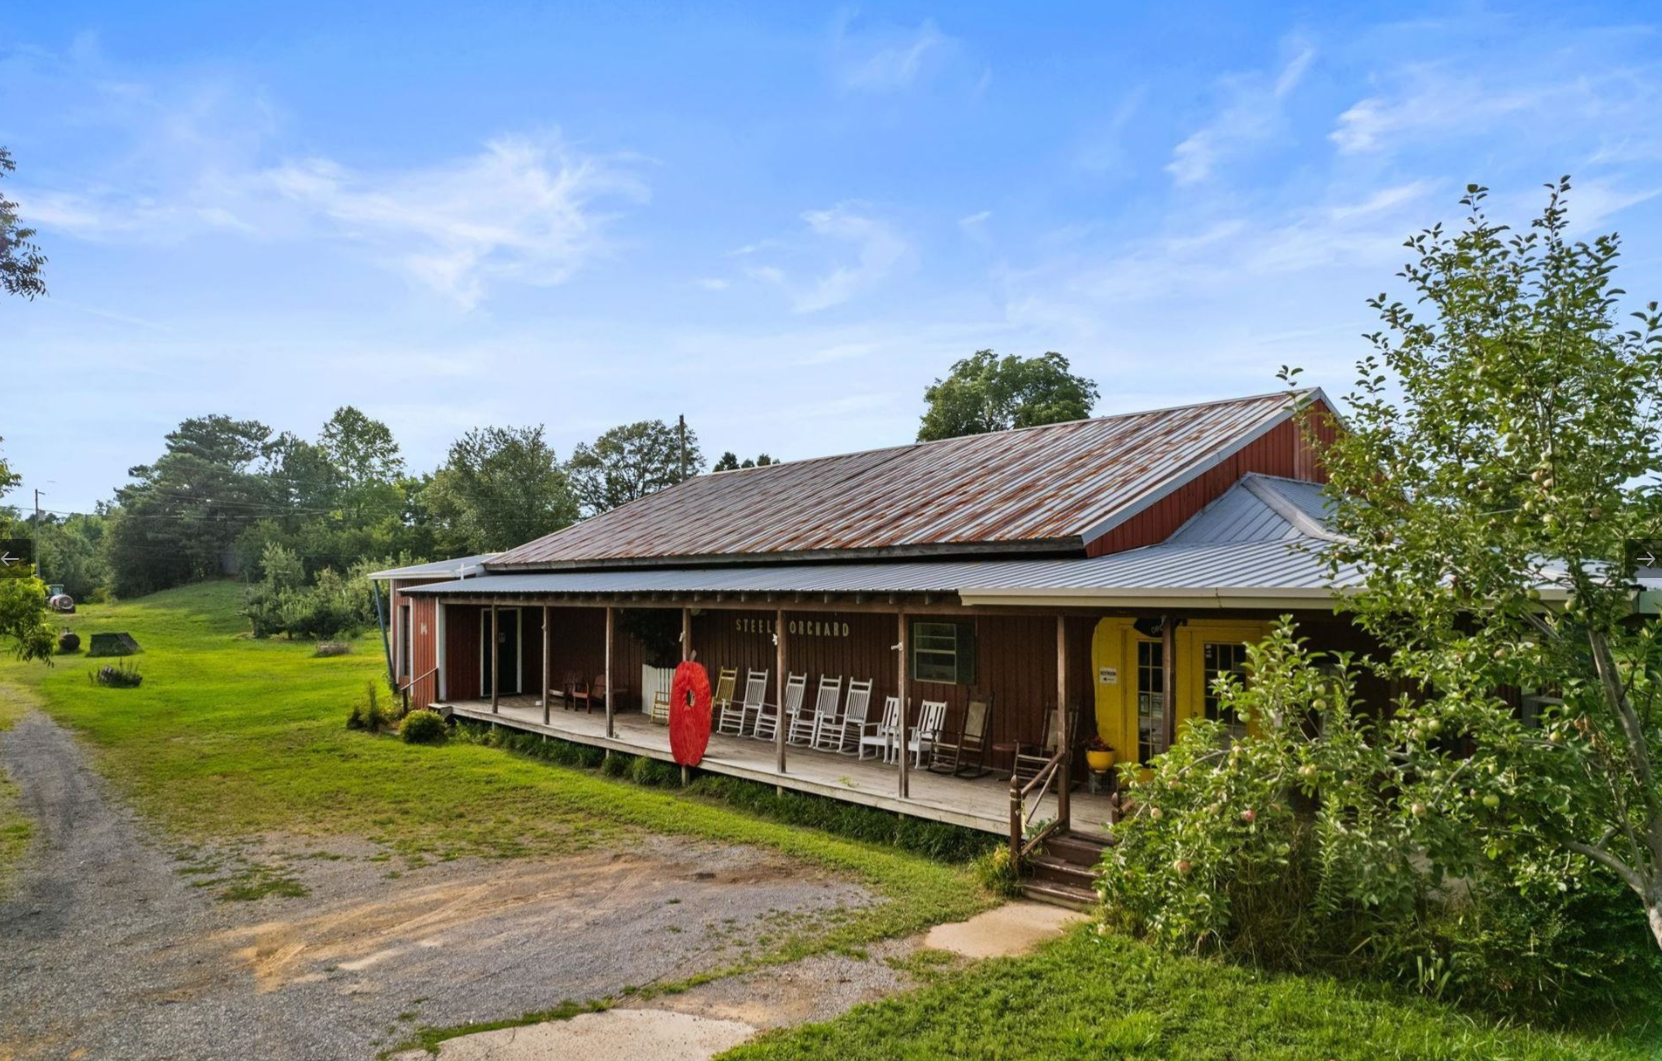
1087, 996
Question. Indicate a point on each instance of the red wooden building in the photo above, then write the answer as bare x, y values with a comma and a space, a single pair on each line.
1091, 576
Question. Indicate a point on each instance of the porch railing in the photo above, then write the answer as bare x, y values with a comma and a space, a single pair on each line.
1022, 814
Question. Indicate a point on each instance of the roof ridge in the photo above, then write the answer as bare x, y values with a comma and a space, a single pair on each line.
1300, 520
1299, 392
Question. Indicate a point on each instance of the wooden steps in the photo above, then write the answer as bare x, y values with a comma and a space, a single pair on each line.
1063, 871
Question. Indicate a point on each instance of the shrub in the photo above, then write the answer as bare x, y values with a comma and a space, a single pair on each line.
326, 609
332, 648
369, 714
117, 676
263, 601
1307, 847
997, 872
615, 764
424, 727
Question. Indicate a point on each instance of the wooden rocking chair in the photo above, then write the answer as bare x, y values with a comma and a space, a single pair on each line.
966, 749
722, 697
931, 717
1031, 758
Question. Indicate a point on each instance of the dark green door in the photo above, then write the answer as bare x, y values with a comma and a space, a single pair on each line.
507, 650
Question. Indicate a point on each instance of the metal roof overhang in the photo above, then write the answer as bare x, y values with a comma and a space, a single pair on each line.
1255, 576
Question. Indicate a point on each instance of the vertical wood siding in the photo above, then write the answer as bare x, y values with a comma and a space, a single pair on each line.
424, 650
461, 658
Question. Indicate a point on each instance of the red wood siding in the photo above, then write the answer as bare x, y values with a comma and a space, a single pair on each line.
579, 647
461, 656
424, 655
1282, 451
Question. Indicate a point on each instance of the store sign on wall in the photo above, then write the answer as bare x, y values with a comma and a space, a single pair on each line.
1108, 676
794, 627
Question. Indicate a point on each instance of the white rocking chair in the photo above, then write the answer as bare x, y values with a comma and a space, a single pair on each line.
767, 723
880, 736
922, 739
739, 718
805, 727
842, 734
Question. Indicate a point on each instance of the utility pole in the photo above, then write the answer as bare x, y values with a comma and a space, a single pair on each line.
681, 432
35, 530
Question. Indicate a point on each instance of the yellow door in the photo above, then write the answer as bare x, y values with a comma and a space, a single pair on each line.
1205, 650
1130, 698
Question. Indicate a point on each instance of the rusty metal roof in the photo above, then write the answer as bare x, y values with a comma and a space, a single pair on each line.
1040, 489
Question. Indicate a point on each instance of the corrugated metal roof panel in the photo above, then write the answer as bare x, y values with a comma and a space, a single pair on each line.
1251, 567
461, 566
1242, 513
1036, 486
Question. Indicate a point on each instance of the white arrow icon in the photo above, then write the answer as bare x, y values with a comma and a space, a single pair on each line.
8, 559
1648, 560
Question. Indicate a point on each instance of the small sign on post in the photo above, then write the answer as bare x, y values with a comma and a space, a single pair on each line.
17, 558
1644, 557
1107, 676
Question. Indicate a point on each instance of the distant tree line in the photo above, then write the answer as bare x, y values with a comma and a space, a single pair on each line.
304, 519
298, 516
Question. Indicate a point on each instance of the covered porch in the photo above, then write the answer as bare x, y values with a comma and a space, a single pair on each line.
976, 803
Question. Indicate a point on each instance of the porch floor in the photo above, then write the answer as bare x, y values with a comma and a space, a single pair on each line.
979, 803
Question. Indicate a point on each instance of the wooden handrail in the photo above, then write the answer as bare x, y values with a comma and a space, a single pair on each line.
1021, 816
412, 682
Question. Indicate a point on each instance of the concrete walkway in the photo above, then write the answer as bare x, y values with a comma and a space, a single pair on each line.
714, 1017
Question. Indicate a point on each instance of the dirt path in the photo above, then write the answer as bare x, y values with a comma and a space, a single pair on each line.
108, 951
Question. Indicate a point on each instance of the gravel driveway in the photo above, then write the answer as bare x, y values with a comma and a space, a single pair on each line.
108, 951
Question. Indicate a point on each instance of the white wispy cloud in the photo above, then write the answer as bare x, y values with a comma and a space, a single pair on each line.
887, 59
525, 210
865, 250
1251, 113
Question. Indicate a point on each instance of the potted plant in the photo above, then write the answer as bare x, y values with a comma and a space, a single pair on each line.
1099, 755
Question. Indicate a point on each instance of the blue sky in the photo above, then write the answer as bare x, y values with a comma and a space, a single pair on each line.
782, 220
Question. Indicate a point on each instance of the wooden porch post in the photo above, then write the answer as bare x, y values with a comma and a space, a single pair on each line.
905, 711
547, 618
779, 690
1168, 676
610, 697
687, 654
496, 658
1064, 739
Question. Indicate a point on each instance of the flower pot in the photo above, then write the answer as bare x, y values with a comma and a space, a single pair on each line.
1099, 762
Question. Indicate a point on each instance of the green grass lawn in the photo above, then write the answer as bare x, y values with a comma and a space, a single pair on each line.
1111, 998
230, 737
